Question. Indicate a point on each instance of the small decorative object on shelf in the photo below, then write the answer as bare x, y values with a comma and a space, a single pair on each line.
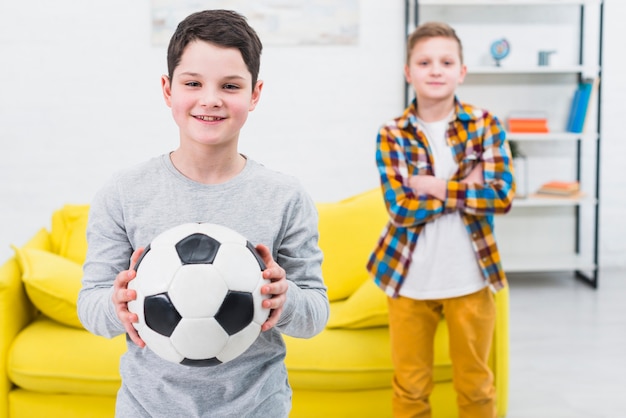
500, 50
559, 188
544, 58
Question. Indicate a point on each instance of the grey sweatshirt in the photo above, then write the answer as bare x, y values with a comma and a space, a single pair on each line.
264, 206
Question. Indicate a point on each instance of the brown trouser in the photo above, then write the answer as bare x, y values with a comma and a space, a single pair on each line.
412, 324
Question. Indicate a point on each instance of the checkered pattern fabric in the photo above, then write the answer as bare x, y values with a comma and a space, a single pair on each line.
475, 137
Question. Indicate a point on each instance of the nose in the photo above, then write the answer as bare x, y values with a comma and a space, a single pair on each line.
210, 98
435, 69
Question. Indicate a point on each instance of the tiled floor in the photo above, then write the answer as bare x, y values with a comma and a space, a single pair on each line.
568, 346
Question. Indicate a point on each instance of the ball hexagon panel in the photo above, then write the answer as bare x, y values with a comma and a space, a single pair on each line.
239, 343
155, 270
213, 361
236, 312
197, 248
199, 338
197, 290
173, 235
238, 266
221, 233
160, 314
161, 345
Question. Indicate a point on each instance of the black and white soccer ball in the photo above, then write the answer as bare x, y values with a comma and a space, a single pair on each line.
199, 294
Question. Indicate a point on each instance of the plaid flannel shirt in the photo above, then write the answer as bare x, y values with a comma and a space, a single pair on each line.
475, 137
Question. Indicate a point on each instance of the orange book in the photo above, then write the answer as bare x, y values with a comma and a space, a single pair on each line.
562, 188
528, 125
528, 121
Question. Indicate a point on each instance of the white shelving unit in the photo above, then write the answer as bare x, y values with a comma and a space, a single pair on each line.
539, 234
572, 69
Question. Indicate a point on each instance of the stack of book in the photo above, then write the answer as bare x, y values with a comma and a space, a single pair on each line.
528, 122
559, 188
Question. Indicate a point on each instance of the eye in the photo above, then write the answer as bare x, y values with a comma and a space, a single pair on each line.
230, 86
192, 84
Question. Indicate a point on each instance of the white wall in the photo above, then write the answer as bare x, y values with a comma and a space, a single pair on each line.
613, 150
81, 99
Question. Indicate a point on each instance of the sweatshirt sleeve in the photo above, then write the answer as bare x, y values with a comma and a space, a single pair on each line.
108, 253
306, 309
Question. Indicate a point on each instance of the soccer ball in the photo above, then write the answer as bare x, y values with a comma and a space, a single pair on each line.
199, 294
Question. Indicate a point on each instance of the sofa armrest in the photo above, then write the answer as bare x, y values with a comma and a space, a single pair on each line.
16, 311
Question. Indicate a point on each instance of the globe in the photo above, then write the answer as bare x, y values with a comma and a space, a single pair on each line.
499, 50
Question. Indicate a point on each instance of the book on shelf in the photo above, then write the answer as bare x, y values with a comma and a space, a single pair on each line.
560, 188
580, 105
528, 122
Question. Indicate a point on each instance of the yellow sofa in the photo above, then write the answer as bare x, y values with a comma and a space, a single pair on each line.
51, 367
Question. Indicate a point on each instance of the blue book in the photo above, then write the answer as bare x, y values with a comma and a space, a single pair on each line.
572, 111
580, 106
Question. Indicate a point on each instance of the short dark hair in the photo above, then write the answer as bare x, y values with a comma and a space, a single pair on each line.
224, 28
432, 30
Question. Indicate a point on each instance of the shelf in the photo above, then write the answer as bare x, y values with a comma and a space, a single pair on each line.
535, 69
551, 136
546, 233
528, 264
506, 2
538, 201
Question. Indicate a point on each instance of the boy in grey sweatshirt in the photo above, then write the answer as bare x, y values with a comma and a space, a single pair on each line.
213, 64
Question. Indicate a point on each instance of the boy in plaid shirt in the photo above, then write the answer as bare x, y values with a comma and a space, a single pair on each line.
445, 169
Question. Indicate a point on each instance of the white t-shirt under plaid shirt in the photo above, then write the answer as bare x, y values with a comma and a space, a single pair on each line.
443, 264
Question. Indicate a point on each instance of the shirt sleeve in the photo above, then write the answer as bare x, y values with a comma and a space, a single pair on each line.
394, 149
495, 195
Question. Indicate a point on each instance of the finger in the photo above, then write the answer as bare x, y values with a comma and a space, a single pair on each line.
125, 277
272, 320
128, 318
274, 273
265, 253
134, 336
127, 295
135, 257
276, 301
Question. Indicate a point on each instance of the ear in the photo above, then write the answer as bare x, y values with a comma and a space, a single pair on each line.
256, 95
407, 73
166, 87
463, 73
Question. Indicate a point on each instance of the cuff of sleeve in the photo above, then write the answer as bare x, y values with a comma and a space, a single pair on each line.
290, 305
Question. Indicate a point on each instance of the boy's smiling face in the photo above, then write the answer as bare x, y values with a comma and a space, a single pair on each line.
210, 94
435, 69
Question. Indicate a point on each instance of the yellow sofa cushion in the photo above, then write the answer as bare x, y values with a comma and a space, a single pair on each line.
349, 230
40, 241
344, 359
365, 308
52, 283
68, 235
27, 404
53, 358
